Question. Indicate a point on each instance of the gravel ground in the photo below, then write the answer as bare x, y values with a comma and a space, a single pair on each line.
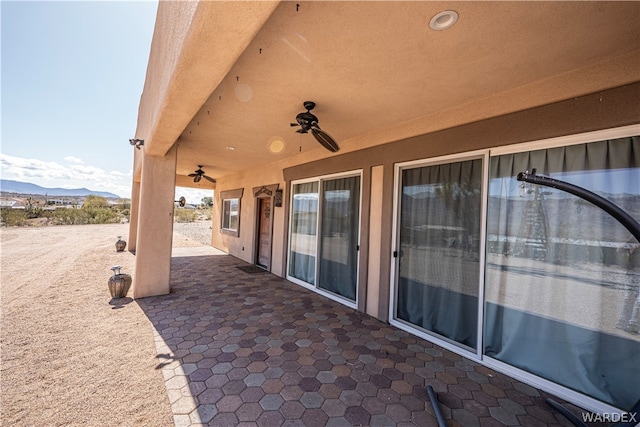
70, 355
198, 231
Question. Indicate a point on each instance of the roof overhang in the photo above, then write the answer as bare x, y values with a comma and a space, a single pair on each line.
226, 79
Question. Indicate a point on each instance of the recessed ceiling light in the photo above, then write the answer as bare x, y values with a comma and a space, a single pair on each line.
276, 144
244, 92
230, 148
443, 20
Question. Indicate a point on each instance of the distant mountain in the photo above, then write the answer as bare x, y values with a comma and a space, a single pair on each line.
27, 188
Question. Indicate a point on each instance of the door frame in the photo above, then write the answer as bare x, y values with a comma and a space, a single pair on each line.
527, 377
263, 192
473, 354
320, 179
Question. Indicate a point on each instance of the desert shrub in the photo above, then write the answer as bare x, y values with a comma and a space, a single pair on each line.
95, 210
100, 216
205, 213
67, 216
95, 202
185, 215
123, 204
123, 207
13, 217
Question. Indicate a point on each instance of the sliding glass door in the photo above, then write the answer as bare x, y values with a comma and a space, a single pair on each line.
562, 275
328, 208
527, 279
438, 250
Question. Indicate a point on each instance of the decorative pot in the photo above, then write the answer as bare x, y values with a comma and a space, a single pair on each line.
119, 283
120, 244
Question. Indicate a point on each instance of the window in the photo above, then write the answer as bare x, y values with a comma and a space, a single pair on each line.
230, 215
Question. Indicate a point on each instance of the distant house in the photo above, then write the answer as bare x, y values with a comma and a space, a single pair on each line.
12, 202
58, 201
418, 219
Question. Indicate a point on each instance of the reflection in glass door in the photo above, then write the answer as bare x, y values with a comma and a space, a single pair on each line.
438, 250
563, 276
304, 227
338, 271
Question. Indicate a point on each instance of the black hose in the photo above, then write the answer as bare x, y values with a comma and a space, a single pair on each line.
612, 209
566, 413
436, 407
624, 218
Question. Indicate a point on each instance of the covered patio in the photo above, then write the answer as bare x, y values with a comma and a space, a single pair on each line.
240, 346
431, 104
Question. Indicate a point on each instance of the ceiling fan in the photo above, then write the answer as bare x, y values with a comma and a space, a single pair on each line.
309, 122
198, 174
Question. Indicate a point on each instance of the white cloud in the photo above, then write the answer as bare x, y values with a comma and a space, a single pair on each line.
75, 175
90, 173
33, 168
71, 159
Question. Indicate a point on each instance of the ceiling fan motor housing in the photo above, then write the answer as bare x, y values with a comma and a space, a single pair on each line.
306, 121
198, 174
309, 122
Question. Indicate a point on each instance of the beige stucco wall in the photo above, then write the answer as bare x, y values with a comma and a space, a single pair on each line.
155, 226
243, 246
372, 303
179, 77
197, 43
607, 109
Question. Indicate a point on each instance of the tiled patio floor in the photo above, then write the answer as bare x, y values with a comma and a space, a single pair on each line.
253, 349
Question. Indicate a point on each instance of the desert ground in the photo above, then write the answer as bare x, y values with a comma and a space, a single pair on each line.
70, 355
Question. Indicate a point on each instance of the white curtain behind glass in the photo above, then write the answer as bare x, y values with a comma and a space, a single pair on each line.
562, 275
304, 224
438, 280
339, 226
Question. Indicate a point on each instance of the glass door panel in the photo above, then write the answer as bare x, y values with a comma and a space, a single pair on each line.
439, 250
338, 268
304, 226
563, 277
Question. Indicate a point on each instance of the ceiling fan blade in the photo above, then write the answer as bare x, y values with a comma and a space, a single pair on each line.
294, 124
208, 178
192, 175
325, 139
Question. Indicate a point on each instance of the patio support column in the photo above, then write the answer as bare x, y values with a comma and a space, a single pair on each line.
133, 215
155, 225
375, 246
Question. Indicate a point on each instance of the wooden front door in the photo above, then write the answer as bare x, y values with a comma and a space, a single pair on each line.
264, 233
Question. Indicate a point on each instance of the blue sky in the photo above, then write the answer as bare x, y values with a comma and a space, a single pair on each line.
72, 76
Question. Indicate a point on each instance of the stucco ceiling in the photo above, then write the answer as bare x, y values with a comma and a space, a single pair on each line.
378, 72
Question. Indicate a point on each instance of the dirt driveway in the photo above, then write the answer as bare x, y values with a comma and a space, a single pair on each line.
68, 356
